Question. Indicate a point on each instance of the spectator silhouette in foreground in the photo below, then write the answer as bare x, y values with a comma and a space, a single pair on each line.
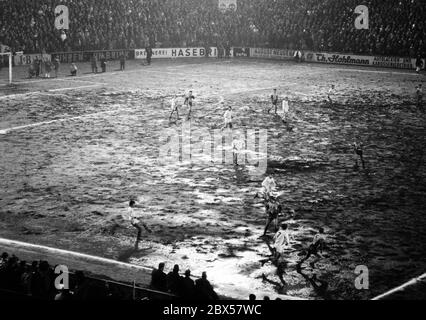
3, 259
159, 279
188, 286
204, 290
174, 281
42, 281
63, 295
81, 288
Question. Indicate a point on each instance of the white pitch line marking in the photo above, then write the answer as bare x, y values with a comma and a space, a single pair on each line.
74, 88
12, 96
331, 67
74, 79
29, 246
196, 64
401, 288
95, 75
375, 71
39, 124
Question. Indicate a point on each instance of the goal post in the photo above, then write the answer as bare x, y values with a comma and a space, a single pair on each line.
8, 56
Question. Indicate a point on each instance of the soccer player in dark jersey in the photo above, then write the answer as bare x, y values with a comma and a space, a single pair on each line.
94, 62
148, 50
273, 209
37, 66
56, 64
359, 151
189, 98
122, 62
315, 249
274, 99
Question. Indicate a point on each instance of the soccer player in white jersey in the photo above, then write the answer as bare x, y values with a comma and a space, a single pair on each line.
282, 240
285, 110
228, 118
331, 94
135, 222
73, 70
238, 145
174, 108
268, 186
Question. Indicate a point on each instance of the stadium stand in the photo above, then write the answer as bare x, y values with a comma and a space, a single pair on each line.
396, 27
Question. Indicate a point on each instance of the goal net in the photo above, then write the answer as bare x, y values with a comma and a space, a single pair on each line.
6, 72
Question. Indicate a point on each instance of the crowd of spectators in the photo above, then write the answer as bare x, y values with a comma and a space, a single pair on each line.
21, 280
182, 286
37, 281
396, 27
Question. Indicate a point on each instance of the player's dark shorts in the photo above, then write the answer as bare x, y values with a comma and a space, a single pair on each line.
312, 250
316, 248
272, 217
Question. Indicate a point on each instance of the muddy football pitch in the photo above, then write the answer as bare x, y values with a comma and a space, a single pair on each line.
74, 150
